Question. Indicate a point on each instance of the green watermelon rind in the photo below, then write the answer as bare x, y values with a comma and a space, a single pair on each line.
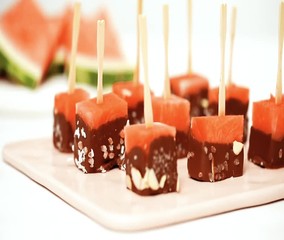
2, 68
114, 70
90, 76
16, 73
15, 66
55, 68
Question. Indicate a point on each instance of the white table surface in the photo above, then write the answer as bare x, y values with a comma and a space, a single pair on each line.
29, 211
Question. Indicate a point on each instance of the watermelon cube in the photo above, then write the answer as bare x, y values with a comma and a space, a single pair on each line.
99, 136
27, 43
216, 148
151, 162
266, 142
133, 94
174, 111
194, 88
64, 118
237, 102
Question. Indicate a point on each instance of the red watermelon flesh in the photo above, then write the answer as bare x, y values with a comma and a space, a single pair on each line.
217, 129
112, 45
28, 30
65, 36
95, 115
87, 42
65, 103
278, 122
188, 84
268, 117
132, 93
57, 26
65, 39
173, 111
138, 135
232, 92
213, 95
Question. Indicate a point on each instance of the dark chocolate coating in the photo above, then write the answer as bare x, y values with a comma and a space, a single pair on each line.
161, 159
197, 108
233, 107
182, 144
136, 114
62, 133
99, 150
264, 151
212, 162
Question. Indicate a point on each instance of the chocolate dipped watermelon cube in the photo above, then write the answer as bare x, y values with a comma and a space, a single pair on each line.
216, 148
27, 43
266, 142
194, 88
237, 102
174, 111
64, 118
151, 162
99, 136
133, 94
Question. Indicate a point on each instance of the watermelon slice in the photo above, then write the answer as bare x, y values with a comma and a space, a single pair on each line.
194, 88
99, 137
133, 94
266, 143
27, 44
151, 162
57, 25
116, 67
64, 118
237, 102
216, 148
174, 112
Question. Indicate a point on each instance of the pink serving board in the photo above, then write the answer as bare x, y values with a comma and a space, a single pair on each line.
104, 197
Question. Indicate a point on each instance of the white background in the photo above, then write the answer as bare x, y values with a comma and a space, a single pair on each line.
29, 211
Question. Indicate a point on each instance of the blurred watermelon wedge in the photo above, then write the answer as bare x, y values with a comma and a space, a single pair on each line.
57, 25
116, 68
27, 43
35, 46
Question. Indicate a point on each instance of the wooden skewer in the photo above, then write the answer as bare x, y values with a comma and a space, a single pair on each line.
233, 31
100, 57
278, 93
137, 68
167, 88
189, 13
222, 89
75, 34
148, 111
